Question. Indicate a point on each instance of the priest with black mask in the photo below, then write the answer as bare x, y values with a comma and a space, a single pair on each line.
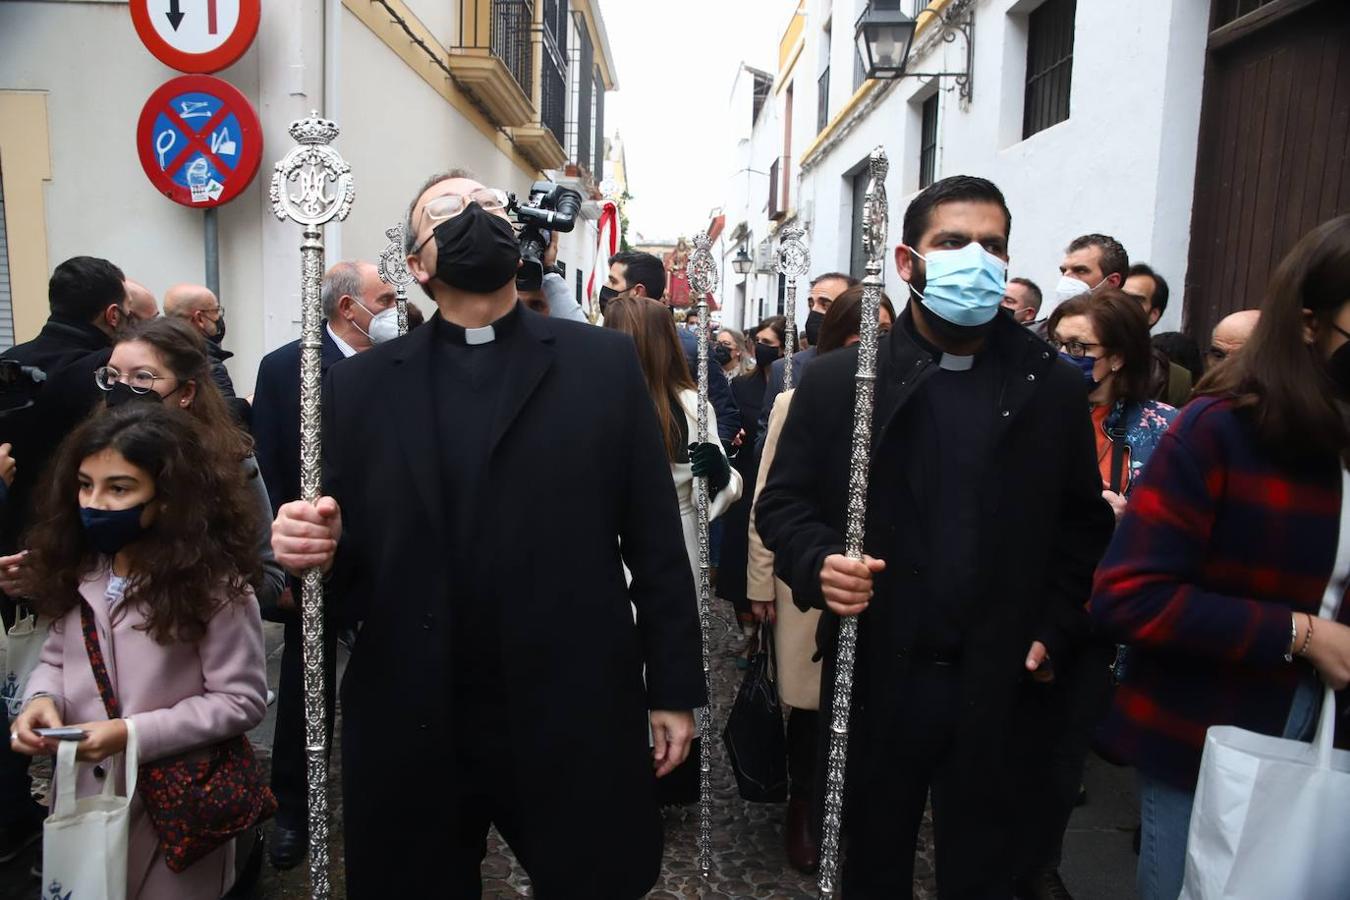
979, 432
487, 478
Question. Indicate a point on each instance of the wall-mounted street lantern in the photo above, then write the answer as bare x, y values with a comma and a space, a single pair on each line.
742, 262
885, 36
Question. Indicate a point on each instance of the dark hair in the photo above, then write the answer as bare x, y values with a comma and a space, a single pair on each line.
843, 319
664, 366
847, 279
1036, 296
1114, 259
1278, 379
1160, 289
204, 540
1182, 350
644, 269
776, 324
950, 190
1122, 328
183, 350
82, 287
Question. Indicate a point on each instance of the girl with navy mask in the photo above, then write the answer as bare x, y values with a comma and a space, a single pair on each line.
1105, 336
145, 539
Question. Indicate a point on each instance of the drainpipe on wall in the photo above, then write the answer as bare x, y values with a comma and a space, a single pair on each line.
332, 57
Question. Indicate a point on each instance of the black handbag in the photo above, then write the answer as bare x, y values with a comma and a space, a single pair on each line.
755, 740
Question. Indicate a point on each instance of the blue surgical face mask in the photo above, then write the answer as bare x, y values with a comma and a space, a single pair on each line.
109, 530
1084, 364
964, 287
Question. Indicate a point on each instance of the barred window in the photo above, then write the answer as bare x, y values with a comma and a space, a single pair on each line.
1049, 65
928, 143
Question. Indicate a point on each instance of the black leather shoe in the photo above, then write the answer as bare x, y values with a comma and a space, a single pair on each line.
288, 847
1044, 885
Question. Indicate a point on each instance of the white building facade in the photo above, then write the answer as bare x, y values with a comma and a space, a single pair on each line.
1163, 123
510, 89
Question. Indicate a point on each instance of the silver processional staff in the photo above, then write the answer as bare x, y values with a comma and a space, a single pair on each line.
312, 185
793, 260
874, 227
393, 268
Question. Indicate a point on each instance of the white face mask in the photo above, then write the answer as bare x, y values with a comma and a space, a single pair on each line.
1070, 287
384, 327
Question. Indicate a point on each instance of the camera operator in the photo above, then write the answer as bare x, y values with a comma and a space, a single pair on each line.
550, 210
551, 296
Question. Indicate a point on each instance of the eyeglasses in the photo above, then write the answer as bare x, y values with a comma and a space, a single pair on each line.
1076, 349
447, 206
141, 382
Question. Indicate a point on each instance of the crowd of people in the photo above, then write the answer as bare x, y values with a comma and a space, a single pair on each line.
1079, 538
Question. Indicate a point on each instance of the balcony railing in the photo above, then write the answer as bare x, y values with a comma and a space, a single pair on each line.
823, 100
553, 105
511, 24
778, 187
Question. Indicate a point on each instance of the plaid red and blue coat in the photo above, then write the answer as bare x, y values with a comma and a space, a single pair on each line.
1218, 544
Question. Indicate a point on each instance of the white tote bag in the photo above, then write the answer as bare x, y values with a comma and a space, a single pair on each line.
1271, 817
85, 841
24, 649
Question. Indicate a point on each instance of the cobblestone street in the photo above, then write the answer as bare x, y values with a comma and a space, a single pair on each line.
748, 859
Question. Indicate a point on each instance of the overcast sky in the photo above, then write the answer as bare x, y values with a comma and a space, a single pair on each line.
675, 65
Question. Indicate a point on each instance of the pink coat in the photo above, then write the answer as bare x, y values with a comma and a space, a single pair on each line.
181, 697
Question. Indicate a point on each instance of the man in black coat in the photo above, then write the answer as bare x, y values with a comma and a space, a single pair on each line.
489, 476
351, 293
980, 433
88, 302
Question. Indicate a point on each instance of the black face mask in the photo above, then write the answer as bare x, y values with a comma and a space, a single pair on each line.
607, 294
813, 320
121, 393
220, 331
1338, 365
476, 251
766, 356
721, 355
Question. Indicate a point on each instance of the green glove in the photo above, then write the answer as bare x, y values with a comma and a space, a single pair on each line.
708, 461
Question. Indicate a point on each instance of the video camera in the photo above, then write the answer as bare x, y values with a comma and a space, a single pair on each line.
19, 386
550, 207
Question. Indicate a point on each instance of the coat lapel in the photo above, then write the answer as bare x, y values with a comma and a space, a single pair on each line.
413, 401
529, 359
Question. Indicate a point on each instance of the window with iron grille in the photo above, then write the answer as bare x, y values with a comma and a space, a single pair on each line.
585, 87
823, 100
928, 142
1049, 65
857, 258
511, 24
763, 84
598, 99
1226, 11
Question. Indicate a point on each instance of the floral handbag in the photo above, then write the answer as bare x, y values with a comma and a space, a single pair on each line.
196, 805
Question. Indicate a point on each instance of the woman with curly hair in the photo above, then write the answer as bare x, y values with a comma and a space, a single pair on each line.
143, 531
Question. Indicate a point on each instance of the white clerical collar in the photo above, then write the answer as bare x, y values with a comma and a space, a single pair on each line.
953, 363
475, 336
347, 349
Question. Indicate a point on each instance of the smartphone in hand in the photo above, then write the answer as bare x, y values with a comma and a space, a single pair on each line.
68, 733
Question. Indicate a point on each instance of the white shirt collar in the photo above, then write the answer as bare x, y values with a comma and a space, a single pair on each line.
347, 349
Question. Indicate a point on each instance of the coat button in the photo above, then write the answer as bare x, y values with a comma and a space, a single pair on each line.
1006, 413
1045, 355
1031, 376
100, 773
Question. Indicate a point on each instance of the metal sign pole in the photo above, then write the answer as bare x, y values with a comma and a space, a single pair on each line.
874, 229
702, 273
312, 185
792, 261
211, 247
393, 269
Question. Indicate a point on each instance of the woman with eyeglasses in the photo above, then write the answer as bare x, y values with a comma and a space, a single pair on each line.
1229, 571
166, 361
1105, 335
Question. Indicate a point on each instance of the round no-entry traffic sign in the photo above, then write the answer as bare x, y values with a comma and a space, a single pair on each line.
199, 140
196, 35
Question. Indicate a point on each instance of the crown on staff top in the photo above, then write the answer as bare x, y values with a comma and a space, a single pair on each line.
314, 130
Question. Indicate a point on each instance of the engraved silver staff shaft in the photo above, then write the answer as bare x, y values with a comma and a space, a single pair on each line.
874, 225
312, 185
393, 268
793, 260
702, 271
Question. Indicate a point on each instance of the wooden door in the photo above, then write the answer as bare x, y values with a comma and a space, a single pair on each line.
1273, 158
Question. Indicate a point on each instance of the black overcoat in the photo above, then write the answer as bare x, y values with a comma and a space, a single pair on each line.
1044, 526
579, 485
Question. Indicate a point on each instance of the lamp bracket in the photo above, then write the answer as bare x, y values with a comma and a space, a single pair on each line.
961, 23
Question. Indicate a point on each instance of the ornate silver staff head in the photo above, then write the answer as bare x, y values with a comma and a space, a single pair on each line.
393, 269
312, 184
702, 270
876, 215
793, 259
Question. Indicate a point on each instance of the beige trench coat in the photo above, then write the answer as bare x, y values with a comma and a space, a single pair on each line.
795, 632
